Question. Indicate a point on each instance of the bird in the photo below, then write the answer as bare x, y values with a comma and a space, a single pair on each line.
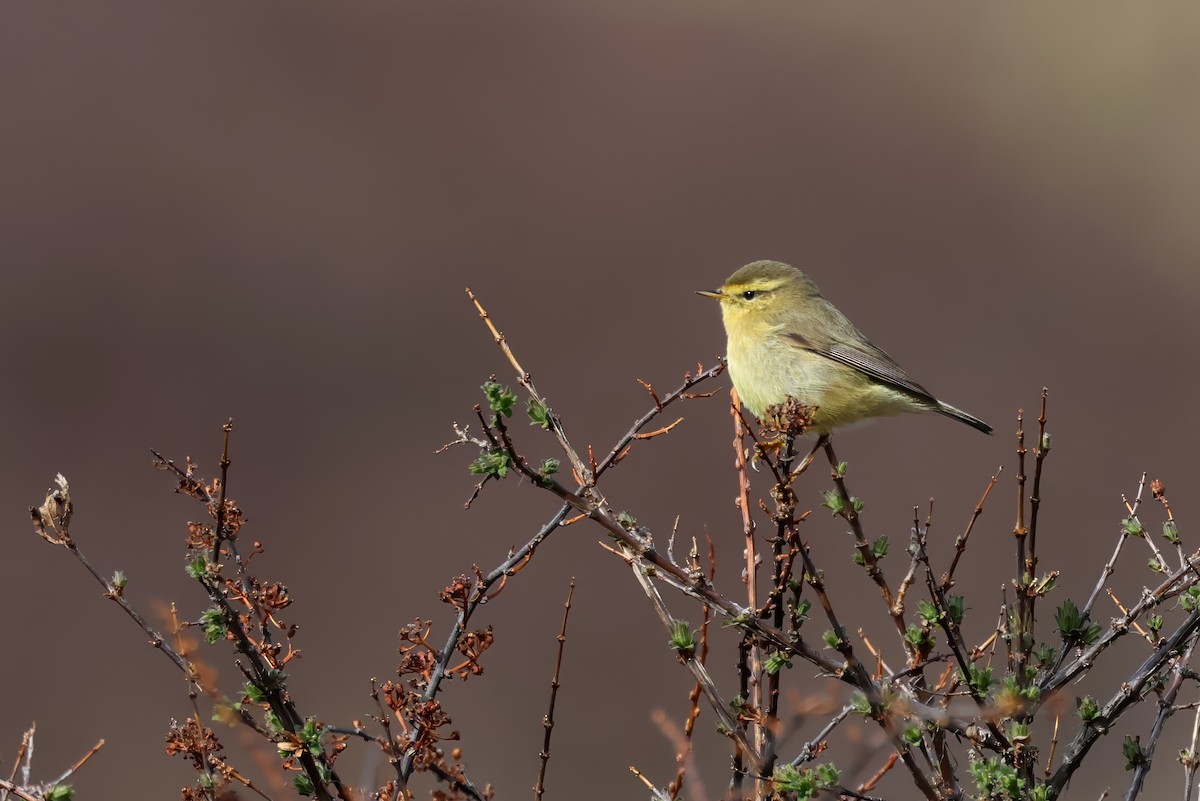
785, 340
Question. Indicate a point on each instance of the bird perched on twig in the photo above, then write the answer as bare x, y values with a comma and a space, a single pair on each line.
786, 340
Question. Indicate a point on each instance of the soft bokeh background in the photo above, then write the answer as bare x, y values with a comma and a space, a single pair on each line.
269, 211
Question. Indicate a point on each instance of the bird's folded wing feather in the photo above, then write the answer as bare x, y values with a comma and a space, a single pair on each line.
872, 362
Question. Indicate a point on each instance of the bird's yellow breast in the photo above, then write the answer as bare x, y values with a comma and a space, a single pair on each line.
767, 370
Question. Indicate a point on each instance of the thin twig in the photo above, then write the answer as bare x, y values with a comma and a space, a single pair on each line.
1035, 499
810, 750
784, 550
960, 543
1023, 636
113, 593
506, 568
79, 762
1129, 694
869, 561
855, 666
1188, 758
683, 392
9, 787
1165, 710
22, 750
699, 672
224, 463
750, 576
526, 380
689, 726
658, 794
263, 668
957, 645
548, 720
1053, 743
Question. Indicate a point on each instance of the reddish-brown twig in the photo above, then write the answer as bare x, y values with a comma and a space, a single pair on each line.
960, 542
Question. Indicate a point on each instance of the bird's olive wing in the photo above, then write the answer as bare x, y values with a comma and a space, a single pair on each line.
873, 362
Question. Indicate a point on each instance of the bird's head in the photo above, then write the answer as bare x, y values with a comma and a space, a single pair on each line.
761, 293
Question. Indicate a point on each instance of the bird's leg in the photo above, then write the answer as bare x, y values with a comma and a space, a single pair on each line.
812, 454
766, 449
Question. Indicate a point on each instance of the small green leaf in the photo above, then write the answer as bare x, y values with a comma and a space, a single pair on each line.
804, 783
776, 661
500, 398
310, 734
956, 607
918, 638
212, 622
802, 608
997, 780
859, 704
1133, 753
928, 611
1187, 601
304, 785
539, 415
683, 638
980, 679
1045, 654
880, 546
494, 462
1070, 622
736, 620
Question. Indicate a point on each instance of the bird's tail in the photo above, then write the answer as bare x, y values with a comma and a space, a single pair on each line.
961, 416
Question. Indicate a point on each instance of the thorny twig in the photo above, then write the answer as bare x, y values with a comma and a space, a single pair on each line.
1188, 757
1129, 694
580, 499
689, 726
1165, 710
262, 666
921, 712
548, 721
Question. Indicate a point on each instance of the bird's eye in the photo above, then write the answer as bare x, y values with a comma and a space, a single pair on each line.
749, 294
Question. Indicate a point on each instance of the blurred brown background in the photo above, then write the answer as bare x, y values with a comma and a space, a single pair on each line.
270, 211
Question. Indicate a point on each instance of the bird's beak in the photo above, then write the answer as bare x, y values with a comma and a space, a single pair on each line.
708, 293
